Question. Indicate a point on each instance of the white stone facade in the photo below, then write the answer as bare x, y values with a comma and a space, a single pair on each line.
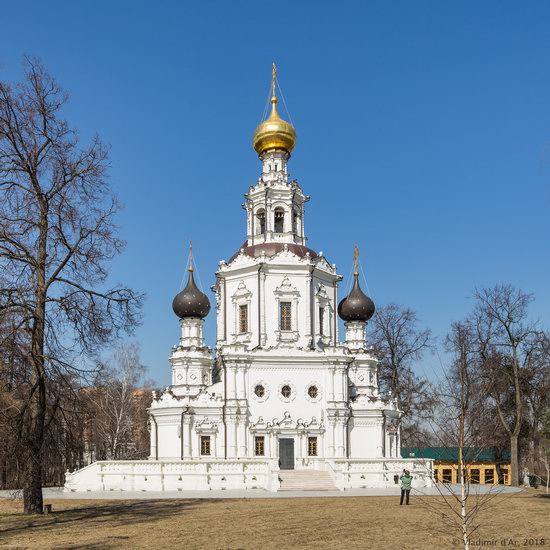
280, 391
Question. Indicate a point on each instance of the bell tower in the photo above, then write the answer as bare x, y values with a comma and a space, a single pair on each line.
275, 205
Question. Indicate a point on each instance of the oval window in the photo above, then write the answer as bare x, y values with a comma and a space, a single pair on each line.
259, 390
286, 391
313, 392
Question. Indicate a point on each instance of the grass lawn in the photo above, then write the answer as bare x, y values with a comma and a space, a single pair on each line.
271, 524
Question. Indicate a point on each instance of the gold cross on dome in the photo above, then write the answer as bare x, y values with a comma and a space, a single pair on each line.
356, 260
273, 79
190, 268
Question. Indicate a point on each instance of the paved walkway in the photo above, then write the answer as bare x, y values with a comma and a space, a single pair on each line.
58, 493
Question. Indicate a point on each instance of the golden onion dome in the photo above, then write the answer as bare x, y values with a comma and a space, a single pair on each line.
274, 132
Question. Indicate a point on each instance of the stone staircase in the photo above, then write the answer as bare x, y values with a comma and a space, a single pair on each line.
306, 480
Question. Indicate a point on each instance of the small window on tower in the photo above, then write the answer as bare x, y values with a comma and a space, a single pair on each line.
205, 445
243, 318
259, 446
322, 321
313, 392
279, 220
311, 446
286, 391
261, 221
295, 222
285, 321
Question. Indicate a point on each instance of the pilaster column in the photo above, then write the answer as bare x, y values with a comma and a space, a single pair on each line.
221, 311
309, 298
339, 383
235, 442
241, 434
263, 335
340, 438
344, 383
380, 445
331, 439
241, 382
231, 371
153, 427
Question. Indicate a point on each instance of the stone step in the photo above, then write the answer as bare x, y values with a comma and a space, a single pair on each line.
306, 480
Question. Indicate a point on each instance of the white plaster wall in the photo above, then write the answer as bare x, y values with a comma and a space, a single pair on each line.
273, 278
365, 438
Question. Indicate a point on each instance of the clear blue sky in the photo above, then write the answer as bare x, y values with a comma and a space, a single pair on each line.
423, 134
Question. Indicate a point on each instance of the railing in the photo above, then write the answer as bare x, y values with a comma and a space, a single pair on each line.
128, 475
380, 472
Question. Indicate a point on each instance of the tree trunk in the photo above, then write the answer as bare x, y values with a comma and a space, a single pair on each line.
514, 461
32, 484
536, 453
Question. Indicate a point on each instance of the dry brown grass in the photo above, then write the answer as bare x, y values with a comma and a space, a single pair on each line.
269, 524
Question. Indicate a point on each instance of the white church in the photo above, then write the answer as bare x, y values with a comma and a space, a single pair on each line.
281, 403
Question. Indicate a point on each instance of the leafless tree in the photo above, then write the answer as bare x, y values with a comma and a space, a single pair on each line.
545, 436
507, 344
536, 388
115, 403
399, 341
57, 235
455, 421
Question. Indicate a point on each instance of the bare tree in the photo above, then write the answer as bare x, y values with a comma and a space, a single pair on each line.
114, 403
545, 433
57, 236
536, 387
400, 342
507, 344
455, 420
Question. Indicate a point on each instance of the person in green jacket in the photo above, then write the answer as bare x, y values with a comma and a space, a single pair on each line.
406, 481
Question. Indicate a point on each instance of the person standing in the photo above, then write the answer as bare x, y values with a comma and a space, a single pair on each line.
406, 482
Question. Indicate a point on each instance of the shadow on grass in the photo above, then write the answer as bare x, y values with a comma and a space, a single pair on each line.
103, 516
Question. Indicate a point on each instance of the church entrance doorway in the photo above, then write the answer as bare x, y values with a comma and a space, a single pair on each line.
286, 454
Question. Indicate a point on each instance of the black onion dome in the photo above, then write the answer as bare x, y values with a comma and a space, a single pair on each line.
191, 302
356, 306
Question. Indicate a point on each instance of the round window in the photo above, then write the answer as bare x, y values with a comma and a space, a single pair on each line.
286, 391
259, 390
313, 392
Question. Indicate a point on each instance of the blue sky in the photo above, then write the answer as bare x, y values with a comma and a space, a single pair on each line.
423, 135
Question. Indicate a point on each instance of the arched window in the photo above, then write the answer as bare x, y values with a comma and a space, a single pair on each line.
279, 219
295, 222
261, 221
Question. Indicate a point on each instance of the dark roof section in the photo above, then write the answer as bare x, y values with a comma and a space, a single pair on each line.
356, 306
191, 302
450, 454
270, 249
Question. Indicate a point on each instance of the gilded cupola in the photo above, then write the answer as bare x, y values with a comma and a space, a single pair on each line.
274, 132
